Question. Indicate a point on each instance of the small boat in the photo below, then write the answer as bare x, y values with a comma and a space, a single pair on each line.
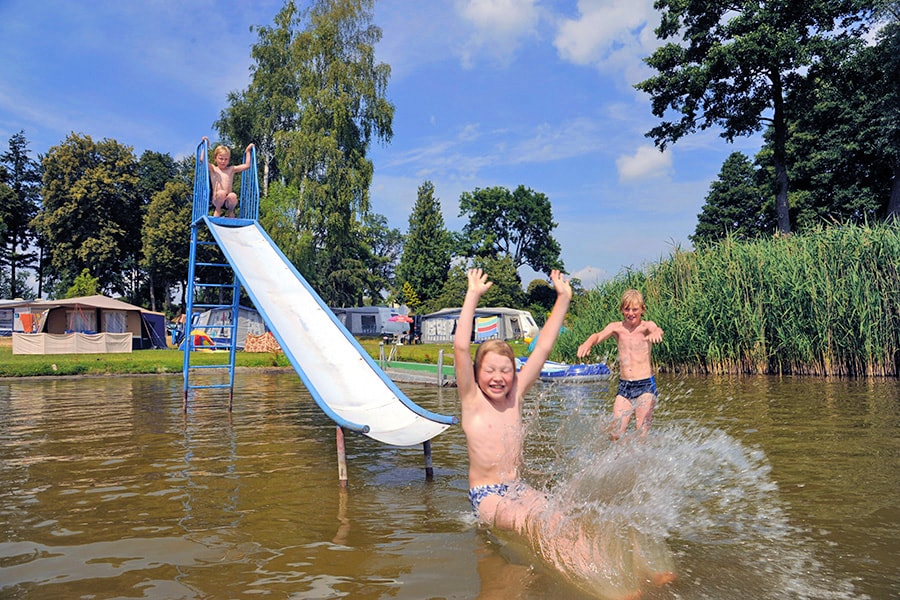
566, 373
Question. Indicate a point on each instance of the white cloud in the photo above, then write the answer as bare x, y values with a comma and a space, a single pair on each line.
646, 162
590, 276
612, 35
498, 28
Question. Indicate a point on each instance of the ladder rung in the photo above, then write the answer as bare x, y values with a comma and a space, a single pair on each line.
206, 264
214, 285
218, 385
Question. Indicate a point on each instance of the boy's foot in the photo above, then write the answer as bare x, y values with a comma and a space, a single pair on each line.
663, 578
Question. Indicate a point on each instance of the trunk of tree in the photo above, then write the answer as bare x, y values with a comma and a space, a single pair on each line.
152, 293
778, 156
13, 291
893, 209
40, 277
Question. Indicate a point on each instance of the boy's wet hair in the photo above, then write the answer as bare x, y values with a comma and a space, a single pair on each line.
632, 298
222, 149
499, 347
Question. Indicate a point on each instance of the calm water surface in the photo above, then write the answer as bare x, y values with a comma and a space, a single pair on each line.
757, 487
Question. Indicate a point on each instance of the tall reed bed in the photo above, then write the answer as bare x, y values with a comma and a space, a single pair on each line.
821, 303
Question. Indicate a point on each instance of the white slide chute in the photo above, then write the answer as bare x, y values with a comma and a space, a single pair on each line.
342, 378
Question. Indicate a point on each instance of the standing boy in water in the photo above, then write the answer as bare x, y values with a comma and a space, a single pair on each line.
490, 394
637, 385
221, 176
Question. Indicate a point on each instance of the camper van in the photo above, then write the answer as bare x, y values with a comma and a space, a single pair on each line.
372, 321
490, 323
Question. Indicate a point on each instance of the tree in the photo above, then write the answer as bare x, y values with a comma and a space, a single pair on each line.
155, 171
884, 61
340, 109
91, 213
383, 246
20, 179
269, 104
516, 224
166, 236
279, 215
409, 297
506, 291
739, 61
540, 298
84, 284
736, 205
427, 248
847, 138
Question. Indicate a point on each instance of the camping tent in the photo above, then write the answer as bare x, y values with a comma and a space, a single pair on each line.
83, 325
490, 323
372, 320
249, 321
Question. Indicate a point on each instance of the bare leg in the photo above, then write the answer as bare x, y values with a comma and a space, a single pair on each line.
643, 412
622, 410
230, 203
218, 202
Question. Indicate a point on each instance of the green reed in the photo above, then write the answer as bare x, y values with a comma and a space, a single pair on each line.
822, 303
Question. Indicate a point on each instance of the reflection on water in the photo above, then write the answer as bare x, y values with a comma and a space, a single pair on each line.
752, 488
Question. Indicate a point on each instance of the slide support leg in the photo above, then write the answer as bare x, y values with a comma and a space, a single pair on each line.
429, 470
341, 456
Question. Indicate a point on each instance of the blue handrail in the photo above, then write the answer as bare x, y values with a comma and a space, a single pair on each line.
201, 183
249, 202
249, 208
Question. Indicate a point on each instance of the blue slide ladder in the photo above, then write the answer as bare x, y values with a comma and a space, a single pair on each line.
248, 216
218, 374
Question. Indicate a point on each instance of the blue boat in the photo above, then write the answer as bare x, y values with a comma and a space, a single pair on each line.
566, 373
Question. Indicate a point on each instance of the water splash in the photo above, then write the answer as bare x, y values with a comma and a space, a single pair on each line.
686, 498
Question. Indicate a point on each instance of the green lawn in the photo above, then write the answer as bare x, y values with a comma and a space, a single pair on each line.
171, 360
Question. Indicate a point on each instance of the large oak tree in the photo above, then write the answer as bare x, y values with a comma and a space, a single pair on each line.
736, 64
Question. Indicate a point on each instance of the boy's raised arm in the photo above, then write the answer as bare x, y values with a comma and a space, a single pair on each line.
547, 338
478, 285
246, 165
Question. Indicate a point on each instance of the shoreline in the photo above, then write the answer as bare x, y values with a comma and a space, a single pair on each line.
426, 375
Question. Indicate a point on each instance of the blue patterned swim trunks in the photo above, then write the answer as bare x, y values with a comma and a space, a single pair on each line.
637, 388
480, 492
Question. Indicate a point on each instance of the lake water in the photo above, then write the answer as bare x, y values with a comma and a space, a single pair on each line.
762, 488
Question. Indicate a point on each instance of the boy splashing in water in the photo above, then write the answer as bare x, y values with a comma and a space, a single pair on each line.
636, 393
491, 394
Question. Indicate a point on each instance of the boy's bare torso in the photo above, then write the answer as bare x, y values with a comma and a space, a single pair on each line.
634, 350
494, 436
222, 179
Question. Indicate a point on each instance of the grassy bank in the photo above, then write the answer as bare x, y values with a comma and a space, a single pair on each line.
137, 362
821, 303
170, 361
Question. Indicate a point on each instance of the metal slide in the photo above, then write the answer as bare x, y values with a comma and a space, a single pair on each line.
342, 378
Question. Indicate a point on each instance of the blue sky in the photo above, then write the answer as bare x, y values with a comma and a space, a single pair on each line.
486, 93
